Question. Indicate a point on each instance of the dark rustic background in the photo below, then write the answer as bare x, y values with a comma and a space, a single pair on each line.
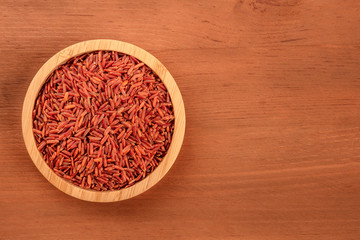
272, 96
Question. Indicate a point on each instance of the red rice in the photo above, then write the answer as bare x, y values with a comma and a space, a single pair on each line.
103, 121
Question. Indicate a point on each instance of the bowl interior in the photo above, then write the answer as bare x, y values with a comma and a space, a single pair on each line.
90, 46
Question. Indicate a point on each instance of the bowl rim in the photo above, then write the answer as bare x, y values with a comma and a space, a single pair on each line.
108, 45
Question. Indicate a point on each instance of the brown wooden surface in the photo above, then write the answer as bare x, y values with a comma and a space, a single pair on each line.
272, 96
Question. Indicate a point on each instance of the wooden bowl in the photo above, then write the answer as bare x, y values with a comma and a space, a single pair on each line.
62, 57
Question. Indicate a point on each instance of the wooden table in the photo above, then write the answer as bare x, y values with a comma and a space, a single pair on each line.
272, 96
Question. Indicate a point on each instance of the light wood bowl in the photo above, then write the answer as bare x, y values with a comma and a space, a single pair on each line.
78, 49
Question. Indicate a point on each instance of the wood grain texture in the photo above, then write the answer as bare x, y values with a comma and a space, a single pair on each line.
271, 90
108, 45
